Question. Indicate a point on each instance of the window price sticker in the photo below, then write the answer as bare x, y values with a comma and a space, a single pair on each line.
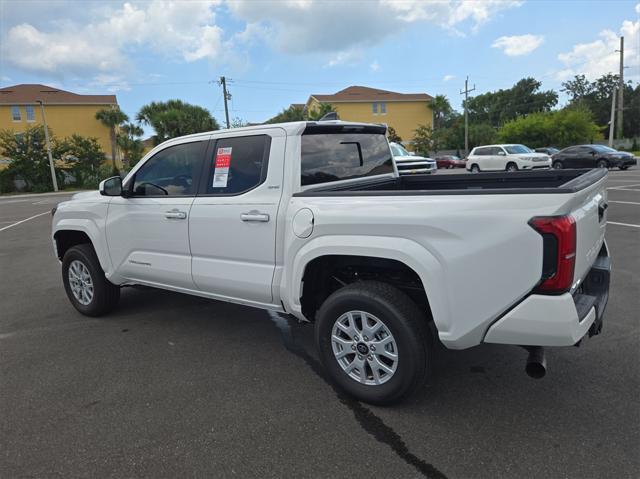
222, 164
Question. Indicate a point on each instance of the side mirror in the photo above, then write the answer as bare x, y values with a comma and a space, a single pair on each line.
111, 186
502, 153
412, 153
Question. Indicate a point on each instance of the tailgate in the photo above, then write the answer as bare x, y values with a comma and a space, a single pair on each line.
588, 207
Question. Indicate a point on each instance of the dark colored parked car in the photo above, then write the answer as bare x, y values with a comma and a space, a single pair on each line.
547, 150
593, 156
449, 161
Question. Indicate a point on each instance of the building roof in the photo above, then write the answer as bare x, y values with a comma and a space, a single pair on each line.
298, 105
30, 93
363, 93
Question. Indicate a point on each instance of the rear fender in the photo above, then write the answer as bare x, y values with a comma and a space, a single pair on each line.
406, 251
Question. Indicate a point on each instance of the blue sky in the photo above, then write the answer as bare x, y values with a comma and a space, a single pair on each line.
279, 52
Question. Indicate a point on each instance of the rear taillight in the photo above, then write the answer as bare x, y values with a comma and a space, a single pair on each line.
559, 252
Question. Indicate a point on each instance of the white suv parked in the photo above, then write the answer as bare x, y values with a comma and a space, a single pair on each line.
506, 158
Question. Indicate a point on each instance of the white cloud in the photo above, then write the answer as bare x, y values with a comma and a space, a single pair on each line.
320, 26
375, 66
185, 30
447, 78
345, 57
599, 57
518, 45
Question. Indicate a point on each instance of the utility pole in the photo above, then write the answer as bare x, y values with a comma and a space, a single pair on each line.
613, 117
621, 91
227, 96
48, 141
466, 114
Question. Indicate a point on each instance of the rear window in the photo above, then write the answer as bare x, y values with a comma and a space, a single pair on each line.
342, 156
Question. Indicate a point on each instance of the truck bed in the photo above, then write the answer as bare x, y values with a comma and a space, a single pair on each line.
522, 182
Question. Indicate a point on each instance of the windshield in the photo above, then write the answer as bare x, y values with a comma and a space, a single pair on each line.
603, 149
398, 150
516, 149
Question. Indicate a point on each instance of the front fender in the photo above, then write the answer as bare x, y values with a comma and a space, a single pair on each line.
93, 228
410, 253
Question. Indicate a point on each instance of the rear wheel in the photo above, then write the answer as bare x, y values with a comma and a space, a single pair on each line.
475, 169
85, 284
602, 164
373, 341
512, 167
558, 165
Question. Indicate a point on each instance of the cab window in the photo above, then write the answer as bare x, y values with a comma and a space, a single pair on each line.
238, 164
173, 171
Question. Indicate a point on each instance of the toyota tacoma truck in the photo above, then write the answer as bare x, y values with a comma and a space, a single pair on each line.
312, 220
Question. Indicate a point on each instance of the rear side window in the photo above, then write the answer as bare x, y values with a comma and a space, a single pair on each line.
481, 151
173, 171
343, 156
238, 164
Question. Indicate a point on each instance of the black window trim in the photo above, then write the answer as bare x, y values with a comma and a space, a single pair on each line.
128, 186
207, 171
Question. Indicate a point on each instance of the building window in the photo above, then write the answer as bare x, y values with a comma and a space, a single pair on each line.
383, 107
374, 108
31, 113
15, 113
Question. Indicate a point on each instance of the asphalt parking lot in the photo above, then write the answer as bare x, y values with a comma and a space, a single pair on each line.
176, 386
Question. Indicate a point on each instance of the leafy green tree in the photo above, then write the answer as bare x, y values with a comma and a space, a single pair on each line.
238, 122
130, 143
597, 95
293, 113
423, 140
498, 107
393, 136
569, 126
83, 158
442, 111
175, 118
112, 118
27, 153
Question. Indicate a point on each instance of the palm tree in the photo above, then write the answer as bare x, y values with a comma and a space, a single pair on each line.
112, 118
441, 110
130, 143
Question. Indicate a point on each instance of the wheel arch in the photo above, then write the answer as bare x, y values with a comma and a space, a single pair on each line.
67, 234
401, 256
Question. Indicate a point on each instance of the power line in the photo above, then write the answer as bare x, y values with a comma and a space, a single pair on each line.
466, 113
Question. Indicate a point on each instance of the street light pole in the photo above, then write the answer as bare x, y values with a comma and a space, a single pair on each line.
46, 137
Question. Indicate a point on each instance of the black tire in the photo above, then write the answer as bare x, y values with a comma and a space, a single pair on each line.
558, 165
475, 169
602, 164
623, 167
105, 294
404, 320
511, 167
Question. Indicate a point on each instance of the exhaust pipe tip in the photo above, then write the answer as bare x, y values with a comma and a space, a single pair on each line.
536, 366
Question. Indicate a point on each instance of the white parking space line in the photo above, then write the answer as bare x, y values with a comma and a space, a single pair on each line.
624, 202
622, 224
25, 220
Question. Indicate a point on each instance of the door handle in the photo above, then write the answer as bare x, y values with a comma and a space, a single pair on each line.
254, 216
175, 215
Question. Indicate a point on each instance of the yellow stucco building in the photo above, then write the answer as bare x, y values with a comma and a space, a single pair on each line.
66, 112
402, 111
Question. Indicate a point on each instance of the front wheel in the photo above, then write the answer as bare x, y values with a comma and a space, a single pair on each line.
85, 284
512, 167
623, 167
373, 341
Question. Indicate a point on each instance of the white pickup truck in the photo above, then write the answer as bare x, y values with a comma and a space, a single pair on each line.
311, 219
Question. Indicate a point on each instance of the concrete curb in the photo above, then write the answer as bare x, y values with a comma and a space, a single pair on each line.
38, 195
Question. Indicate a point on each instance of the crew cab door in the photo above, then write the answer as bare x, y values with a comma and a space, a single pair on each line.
233, 220
148, 231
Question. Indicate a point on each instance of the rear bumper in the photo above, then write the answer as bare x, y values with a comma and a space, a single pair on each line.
562, 320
